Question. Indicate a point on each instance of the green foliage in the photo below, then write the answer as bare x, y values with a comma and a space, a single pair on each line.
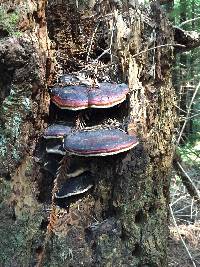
190, 153
186, 75
189, 9
9, 21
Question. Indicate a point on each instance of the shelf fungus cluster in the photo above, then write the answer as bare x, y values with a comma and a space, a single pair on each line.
64, 138
79, 97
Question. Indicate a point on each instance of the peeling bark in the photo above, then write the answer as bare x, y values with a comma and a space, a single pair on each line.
123, 221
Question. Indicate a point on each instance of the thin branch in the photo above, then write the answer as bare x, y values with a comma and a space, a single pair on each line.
188, 21
180, 109
159, 46
178, 199
182, 209
111, 40
107, 51
92, 39
184, 221
193, 116
191, 211
184, 215
177, 229
188, 113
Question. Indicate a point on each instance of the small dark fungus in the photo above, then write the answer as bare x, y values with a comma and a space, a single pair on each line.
51, 163
57, 131
55, 146
101, 142
77, 172
75, 186
77, 167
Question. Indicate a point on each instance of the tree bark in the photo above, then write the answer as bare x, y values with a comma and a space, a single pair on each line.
123, 220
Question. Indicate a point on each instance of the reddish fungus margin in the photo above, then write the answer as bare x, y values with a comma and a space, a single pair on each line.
102, 142
81, 97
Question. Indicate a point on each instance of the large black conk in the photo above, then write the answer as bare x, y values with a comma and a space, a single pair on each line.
76, 186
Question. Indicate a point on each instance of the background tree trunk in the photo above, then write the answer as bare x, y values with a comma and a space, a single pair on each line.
123, 221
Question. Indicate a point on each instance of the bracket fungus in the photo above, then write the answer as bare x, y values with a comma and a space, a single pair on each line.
57, 131
78, 97
72, 93
54, 135
100, 142
55, 146
107, 95
77, 167
70, 97
75, 186
51, 164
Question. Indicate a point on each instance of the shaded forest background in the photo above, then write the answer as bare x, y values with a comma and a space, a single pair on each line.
185, 14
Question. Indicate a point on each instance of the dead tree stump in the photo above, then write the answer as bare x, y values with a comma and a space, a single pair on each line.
123, 221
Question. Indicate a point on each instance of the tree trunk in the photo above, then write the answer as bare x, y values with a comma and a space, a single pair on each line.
123, 220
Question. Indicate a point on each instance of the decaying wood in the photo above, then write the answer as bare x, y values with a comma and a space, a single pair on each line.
123, 221
189, 39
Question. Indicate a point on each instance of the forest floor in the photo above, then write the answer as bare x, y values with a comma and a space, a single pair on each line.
178, 256
185, 216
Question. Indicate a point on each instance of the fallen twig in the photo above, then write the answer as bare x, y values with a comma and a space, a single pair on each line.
187, 181
178, 199
111, 40
90, 45
107, 51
